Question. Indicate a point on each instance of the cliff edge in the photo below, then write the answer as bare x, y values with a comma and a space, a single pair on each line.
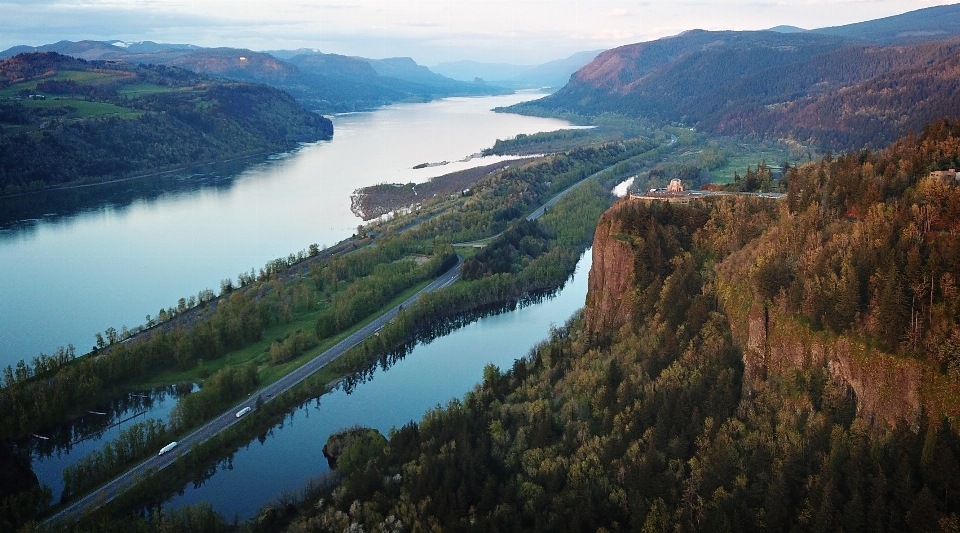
766, 293
611, 283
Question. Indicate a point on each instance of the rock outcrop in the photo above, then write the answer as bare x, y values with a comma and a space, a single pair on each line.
609, 305
888, 389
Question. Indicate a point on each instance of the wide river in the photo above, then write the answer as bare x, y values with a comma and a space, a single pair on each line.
130, 249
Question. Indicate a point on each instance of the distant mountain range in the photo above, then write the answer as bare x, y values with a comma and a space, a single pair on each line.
328, 83
864, 84
813, 85
551, 74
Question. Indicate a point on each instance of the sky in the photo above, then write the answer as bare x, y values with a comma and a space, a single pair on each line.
430, 31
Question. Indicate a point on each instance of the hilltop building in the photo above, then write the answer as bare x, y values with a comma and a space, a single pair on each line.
948, 176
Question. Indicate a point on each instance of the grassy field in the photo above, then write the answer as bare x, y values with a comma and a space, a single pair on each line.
141, 89
260, 352
751, 155
84, 108
726, 156
89, 78
470, 248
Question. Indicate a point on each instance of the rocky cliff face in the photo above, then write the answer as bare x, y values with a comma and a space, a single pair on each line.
888, 389
608, 305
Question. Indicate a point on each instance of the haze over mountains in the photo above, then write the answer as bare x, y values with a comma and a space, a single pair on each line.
712, 79
328, 83
840, 87
550, 74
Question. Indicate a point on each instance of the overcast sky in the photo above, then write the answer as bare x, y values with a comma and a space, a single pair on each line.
430, 31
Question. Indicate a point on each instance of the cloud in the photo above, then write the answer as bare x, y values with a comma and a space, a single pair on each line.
428, 30
340, 6
613, 36
35, 25
420, 24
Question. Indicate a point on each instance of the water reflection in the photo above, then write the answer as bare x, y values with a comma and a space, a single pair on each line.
55, 448
437, 330
21, 215
288, 456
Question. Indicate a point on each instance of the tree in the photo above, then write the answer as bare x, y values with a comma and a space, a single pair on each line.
888, 309
226, 286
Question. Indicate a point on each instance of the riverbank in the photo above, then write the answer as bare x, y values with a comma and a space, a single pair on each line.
89, 182
375, 201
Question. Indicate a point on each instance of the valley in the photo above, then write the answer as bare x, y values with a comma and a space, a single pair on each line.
766, 339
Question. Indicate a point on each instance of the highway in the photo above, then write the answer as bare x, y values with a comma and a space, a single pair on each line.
550, 203
543, 208
110, 490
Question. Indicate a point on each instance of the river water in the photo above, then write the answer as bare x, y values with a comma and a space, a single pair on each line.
59, 447
76, 262
429, 376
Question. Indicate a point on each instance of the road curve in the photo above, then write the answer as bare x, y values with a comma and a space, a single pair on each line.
111, 489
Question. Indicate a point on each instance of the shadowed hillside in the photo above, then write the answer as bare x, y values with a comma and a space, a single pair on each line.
835, 87
66, 120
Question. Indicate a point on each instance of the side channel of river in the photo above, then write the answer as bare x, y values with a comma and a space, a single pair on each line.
430, 375
56, 448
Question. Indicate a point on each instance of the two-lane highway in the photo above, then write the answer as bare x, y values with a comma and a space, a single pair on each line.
109, 491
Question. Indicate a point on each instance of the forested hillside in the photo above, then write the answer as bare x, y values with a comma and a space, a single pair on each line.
706, 386
66, 120
927, 24
812, 88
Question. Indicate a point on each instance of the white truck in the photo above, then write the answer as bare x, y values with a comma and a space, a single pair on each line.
167, 448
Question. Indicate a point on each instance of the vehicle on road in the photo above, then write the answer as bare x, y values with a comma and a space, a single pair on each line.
167, 448
244, 411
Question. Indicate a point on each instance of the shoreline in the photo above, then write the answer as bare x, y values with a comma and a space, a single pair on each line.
82, 184
375, 201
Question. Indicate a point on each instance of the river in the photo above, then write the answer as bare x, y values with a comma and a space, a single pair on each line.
429, 376
79, 261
